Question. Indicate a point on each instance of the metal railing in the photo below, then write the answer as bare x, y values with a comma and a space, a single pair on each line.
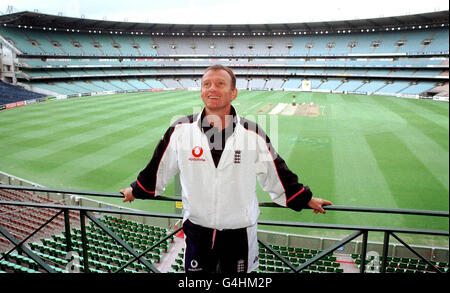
88, 212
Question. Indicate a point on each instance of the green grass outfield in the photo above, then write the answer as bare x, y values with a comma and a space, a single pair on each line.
360, 151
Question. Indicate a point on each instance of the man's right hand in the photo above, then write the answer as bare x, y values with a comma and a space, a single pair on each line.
128, 194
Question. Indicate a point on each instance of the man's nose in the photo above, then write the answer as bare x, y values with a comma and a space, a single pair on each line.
213, 90
212, 87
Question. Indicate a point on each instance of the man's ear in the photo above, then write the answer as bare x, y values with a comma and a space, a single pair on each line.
234, 95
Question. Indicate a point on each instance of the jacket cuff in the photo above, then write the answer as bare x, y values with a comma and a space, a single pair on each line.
139, 191
299, 200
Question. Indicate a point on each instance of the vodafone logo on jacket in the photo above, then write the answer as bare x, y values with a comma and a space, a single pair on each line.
197, 152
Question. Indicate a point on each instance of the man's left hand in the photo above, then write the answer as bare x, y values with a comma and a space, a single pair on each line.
317, 203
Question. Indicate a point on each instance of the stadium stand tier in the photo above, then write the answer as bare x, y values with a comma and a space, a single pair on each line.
21, 222
408, 57
11, 94
50, 243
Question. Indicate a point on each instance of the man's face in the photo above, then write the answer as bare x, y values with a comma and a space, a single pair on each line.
217, 92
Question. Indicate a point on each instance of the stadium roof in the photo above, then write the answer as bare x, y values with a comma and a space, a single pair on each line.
39, 20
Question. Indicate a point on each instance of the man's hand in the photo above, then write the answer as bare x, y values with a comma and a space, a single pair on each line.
317, 203
128, 194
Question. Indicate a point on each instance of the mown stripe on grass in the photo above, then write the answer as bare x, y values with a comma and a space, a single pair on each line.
358, 180
113, 173
357, 175
108, 135
435, 131
125, 142
86, 109
40, 113
62, 136
87, 150
411, 183
436, 107
423, 109
430, 154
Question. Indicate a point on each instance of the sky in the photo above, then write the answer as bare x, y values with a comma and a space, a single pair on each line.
226, 11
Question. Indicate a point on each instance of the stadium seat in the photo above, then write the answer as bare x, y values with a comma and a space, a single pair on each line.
11, 94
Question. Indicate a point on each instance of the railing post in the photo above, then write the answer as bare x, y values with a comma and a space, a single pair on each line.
363, 252
67, 230
385, 252
84, 240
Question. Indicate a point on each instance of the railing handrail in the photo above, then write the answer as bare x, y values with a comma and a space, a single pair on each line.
126, 211
264, 204
85, 212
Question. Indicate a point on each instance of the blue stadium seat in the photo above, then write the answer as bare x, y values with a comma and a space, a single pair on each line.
11, 94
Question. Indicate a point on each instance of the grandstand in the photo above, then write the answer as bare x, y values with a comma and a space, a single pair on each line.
12, 94
61, 56
46, 56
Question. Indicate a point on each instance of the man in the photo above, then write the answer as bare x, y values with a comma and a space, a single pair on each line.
219, 155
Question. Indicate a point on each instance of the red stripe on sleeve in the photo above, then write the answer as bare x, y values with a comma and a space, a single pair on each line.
151, 192
295, 195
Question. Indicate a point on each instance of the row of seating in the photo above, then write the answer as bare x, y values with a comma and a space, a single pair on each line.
18, 195
99, 240
269, 263
104, 253
131, 225
97, 260
103, 256
18, 263
296, 256
363, 72
403, 264
370, 85
11, 94
22, 221
11, 267
35, 41
96, 249
148, 238
89, 64
96, 263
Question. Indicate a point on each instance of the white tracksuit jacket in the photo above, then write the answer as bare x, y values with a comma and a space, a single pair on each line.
222, 197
